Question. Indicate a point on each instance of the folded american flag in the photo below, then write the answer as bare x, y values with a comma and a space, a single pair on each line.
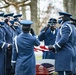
41, 48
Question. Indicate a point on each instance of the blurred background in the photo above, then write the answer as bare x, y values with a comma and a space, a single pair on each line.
39, 11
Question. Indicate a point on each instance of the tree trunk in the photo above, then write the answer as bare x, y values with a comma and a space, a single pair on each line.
33, 8
23, 12
7, 10
70, 6
17, 10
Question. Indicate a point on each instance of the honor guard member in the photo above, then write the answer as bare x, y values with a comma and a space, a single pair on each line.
23, 51
9, 20
74, 43
63, 46
3, 45
9, 16
9, 34
18, 16
48, 34
17, 25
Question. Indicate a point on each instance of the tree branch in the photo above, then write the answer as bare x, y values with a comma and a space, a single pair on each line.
4, 6
24, 4
16, 4
7, 2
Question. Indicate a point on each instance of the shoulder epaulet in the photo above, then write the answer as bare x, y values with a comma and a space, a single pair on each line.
68, 24
70, 28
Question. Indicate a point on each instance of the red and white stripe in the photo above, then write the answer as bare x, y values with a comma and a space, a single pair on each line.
41, 48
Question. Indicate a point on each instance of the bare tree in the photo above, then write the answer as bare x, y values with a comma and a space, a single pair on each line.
23, 12
33, 7
46, 15
15, 3
70, 6
22, 4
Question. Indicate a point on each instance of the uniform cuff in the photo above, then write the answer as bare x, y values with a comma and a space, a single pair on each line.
13, 61
3, 45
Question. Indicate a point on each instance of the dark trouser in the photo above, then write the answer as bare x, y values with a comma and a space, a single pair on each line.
8, 61
8, 71
65, 73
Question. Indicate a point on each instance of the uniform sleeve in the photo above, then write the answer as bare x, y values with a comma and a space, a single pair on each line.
65, 33
36, 42
19, 30
3, 45
41, 36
